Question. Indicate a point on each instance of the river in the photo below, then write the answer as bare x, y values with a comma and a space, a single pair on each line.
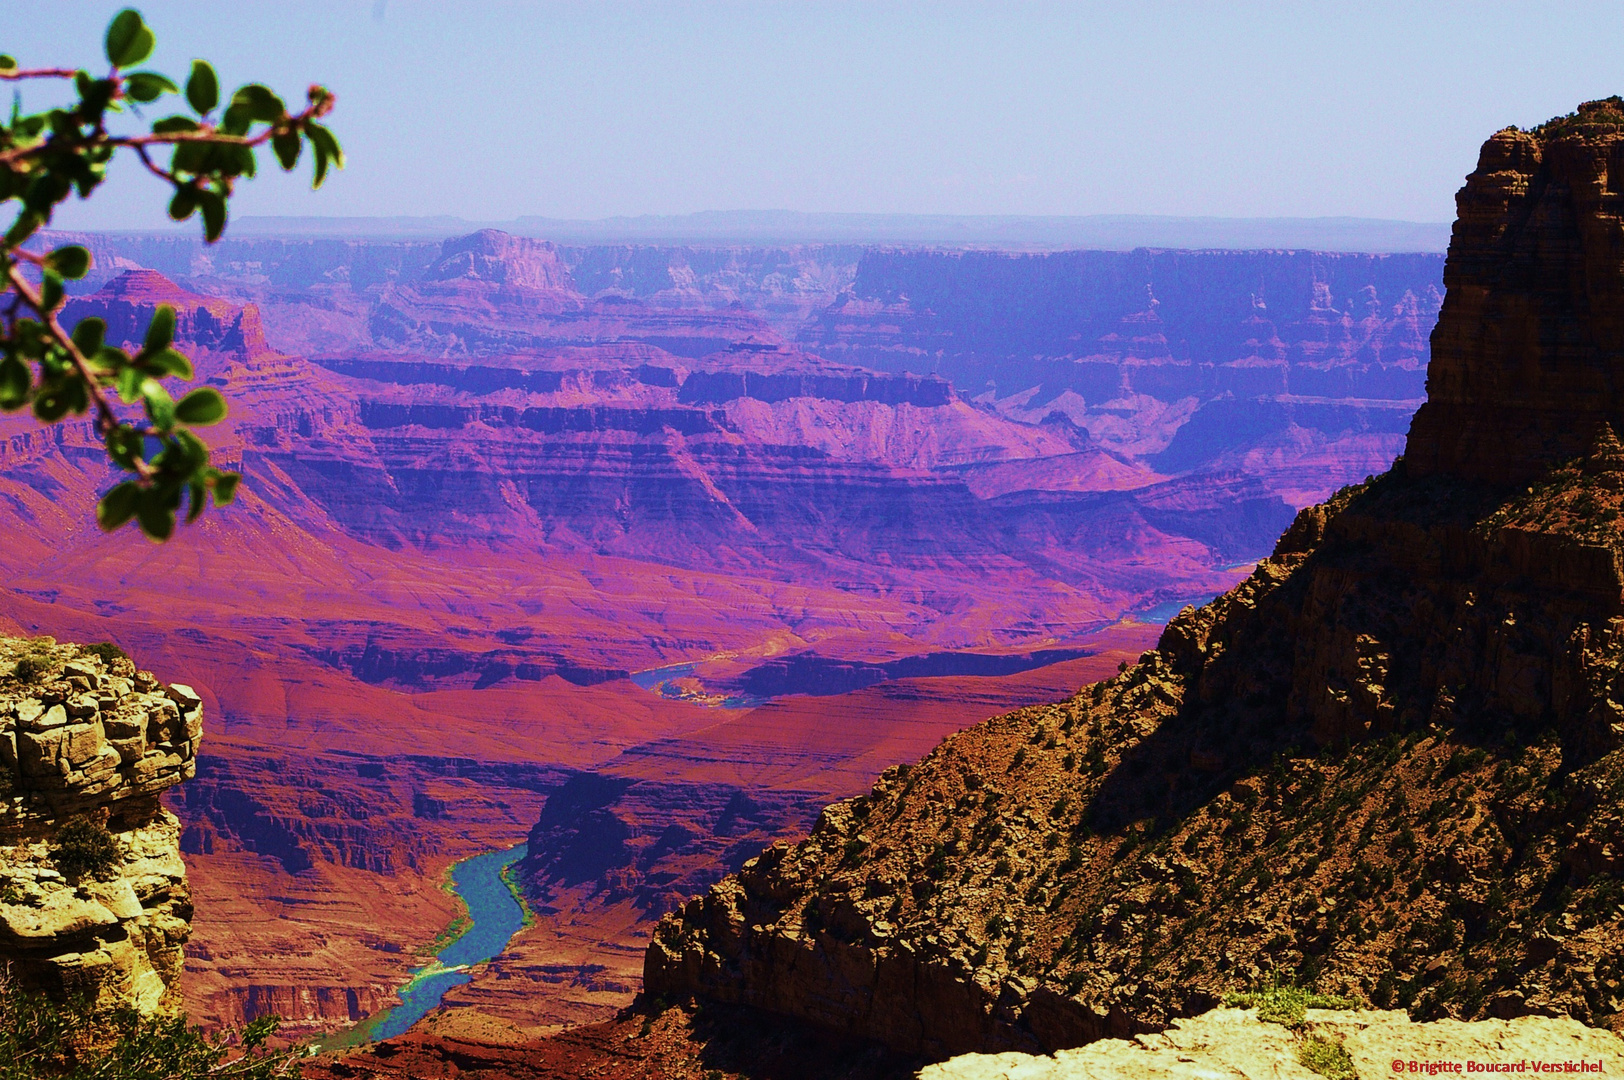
495, 917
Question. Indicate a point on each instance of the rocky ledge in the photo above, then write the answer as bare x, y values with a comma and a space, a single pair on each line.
93, 893
1362, 1044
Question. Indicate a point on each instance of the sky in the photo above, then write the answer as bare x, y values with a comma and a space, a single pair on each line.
490, 110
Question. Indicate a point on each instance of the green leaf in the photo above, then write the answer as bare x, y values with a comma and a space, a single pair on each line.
50, 289
124, 447
161, 330
190, 450
213, 205
166, 362
201, 407
225, 488
197, 499
327, 151
239, 160
118, 505
110, 359
192, 157
203, 88
287, 146
130, 381
128, 39
15, 382
144, 86
259, 103
169, 125
155, 519
7, 63
88, 337
236, 121
51, 405
23, 227
160, 406
184, 202
72, 261
77, 396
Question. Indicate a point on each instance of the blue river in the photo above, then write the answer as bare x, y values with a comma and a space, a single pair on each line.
495, 917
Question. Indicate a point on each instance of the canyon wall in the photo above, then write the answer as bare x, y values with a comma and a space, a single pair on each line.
1387, 763
518, 516
93, 895
1299, 368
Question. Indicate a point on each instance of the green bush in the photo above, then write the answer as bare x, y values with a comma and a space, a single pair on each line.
85, 847
1282, 1003
1327, 1057
41, 1039
30, 669
106, 650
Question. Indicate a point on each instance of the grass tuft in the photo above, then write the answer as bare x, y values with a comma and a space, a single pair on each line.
1327, 1057
1285, 1004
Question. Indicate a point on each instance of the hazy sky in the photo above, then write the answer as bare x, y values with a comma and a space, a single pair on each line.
493, 110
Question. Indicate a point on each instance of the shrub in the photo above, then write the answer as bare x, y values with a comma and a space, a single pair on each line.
106, 650
41, 1038
1282, 1003
84, 846
31, 669
1327, 1057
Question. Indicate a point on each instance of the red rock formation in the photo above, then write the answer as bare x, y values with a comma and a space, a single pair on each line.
1526, 354
496, 258
208, 326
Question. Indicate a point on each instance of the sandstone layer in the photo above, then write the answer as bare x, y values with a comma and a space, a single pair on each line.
86, 737
1526, 357
1388, 762
1236, 1045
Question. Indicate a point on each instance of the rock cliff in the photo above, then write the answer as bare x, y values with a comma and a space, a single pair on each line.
1388, 762
1527, 354
93, 894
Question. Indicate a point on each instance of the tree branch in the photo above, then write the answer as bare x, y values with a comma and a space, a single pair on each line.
107, 421
38, 73
206, 134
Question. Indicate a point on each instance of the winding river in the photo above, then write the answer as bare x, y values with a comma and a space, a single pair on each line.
495, 917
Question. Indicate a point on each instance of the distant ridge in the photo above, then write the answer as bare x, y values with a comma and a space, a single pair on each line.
1111, 232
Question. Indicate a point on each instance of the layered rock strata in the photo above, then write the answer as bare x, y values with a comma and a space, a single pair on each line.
1527, 356
87, 745
1388, 762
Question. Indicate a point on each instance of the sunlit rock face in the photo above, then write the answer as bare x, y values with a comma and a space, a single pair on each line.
1528, 357
87, 743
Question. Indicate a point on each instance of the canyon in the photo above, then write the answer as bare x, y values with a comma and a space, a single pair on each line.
647, 554
1385, 767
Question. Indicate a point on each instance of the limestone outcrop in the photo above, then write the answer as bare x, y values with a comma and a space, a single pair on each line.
1235, 1045
93, 893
